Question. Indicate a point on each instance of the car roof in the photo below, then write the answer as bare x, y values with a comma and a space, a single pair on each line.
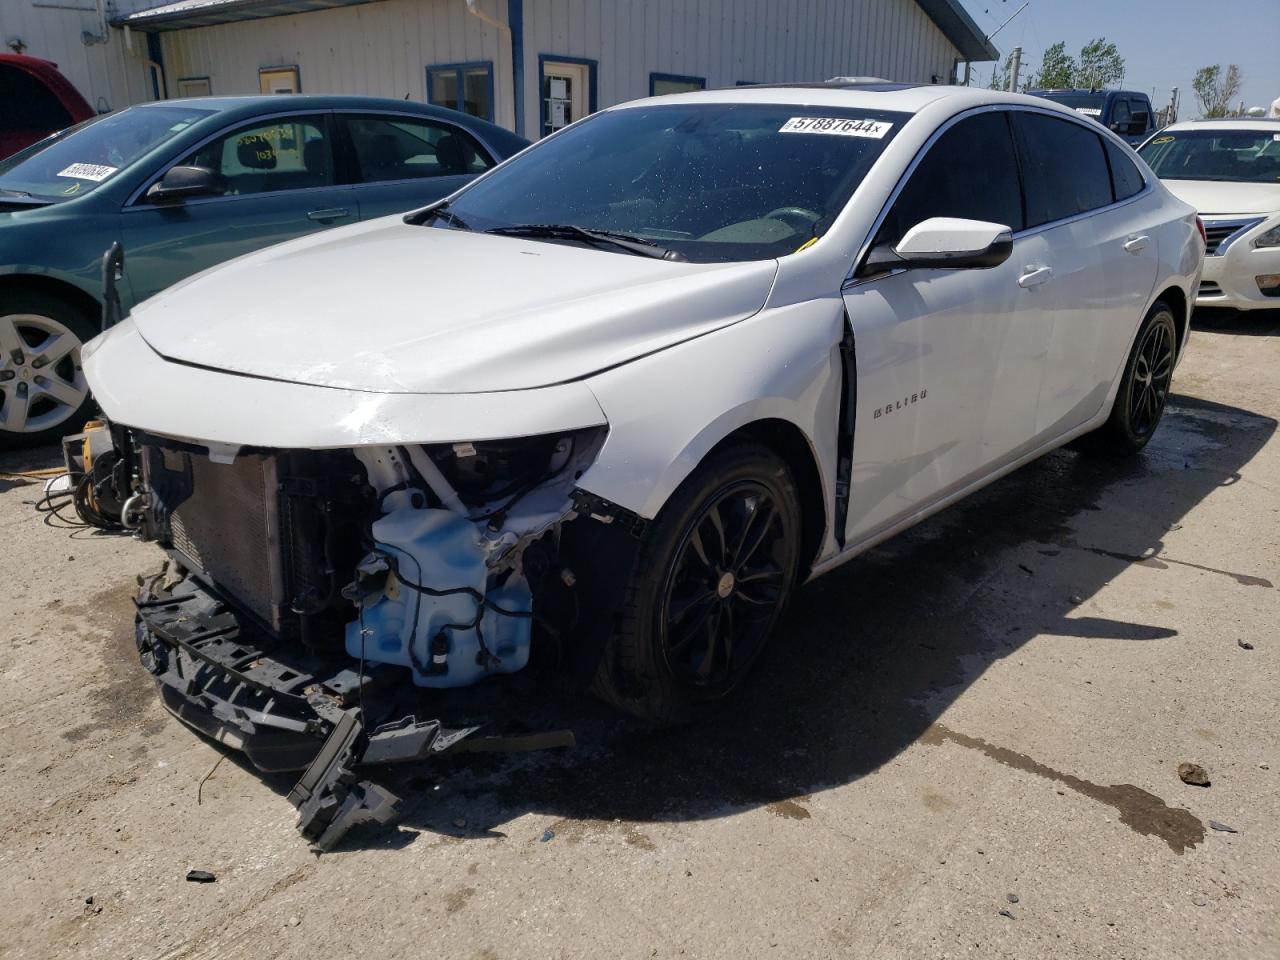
860, 94
1265, 124
258, 103
1083, 92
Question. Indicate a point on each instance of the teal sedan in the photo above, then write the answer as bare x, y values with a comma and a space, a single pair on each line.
183, 185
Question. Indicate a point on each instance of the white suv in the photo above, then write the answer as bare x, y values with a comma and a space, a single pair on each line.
595, 417
1229, 170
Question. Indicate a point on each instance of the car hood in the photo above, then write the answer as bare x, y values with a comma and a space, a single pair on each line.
1224, 197
393, 308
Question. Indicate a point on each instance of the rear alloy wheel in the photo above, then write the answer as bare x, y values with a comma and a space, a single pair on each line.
1144, 389
43, 392
714, 573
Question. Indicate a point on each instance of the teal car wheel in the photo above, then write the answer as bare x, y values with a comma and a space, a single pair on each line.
43, 392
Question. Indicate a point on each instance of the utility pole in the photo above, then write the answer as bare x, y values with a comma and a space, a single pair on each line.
1173, 106
1014, 68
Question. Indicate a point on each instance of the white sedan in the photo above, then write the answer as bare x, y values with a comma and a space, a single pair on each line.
596, 416
1229, 170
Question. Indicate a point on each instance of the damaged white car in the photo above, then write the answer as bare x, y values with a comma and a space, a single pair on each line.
590, 421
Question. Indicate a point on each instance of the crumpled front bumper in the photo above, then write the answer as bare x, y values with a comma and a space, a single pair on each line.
219, 677
288, 709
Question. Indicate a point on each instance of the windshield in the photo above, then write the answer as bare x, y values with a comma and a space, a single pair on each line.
75, 163
1090, 104
1242, 156
711, 182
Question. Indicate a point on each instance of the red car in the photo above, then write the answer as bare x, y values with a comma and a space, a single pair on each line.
38, 101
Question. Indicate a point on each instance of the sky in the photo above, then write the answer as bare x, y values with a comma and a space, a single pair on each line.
1163, 42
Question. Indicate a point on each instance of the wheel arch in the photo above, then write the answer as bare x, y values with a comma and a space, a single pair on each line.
1180, 304
789, 443
71, 293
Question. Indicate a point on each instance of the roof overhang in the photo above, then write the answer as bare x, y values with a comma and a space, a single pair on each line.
182, 14
958, 27
949, 15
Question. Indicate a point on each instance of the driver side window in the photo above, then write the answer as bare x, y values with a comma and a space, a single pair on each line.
288, 153
970, 172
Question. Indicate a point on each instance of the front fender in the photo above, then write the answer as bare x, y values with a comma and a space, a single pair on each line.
668, 410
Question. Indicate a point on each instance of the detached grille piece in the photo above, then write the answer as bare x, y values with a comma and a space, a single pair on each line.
229, 530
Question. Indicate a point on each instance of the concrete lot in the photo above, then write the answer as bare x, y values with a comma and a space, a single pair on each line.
993, 705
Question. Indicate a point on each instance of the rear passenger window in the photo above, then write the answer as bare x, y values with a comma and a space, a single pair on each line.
406, 148
291, 153
970, 172
1125, 178
1064, 168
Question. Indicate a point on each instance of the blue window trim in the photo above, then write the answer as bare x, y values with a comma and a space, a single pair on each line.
155, 51
593, 68
458, 70
515, 20
675, 78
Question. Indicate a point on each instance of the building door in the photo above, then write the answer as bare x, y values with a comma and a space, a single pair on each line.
565, 93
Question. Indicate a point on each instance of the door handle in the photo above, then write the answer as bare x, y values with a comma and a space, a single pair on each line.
325, 216
1035, 276
1136, 243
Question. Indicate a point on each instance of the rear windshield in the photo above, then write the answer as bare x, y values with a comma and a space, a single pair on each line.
711, 181
1090, 104
1241, 156
75, 163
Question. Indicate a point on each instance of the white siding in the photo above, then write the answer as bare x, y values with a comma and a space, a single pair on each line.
377, 49
726, 41
105, 73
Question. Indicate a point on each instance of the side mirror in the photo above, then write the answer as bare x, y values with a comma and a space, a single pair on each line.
182, 182
946, 242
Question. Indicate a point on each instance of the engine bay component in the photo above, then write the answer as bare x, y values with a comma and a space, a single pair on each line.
331, 610
449, 636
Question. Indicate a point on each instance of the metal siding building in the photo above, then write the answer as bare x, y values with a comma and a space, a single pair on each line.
533, 65
77, 36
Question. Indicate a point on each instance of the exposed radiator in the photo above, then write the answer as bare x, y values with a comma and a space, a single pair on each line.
229, 530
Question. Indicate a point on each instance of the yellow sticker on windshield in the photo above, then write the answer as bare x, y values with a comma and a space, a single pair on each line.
70, 189
1162, 140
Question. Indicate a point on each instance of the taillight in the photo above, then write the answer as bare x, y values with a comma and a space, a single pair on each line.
1203, 236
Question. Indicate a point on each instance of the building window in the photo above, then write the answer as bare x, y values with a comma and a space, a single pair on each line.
664, 83
568, 86
194, 87
467, 87
279, 80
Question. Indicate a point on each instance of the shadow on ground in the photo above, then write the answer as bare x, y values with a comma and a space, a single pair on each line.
1249, 323
869, 655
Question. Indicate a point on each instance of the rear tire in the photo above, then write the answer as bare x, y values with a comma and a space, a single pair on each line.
713, 574
1144, 388
43, 393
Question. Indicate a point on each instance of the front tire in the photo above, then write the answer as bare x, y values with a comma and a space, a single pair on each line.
1144, 389
43, 392
714, 572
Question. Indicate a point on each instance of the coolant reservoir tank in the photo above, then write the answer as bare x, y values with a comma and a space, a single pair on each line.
444, 552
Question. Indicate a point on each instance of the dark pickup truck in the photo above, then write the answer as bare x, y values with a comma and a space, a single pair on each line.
1125, 112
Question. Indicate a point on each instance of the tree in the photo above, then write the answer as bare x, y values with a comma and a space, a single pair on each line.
1100, 65
1215, 90
1057, 68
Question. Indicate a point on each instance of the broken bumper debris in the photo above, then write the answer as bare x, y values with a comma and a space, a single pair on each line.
284, 709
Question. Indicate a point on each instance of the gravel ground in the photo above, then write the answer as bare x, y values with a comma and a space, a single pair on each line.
963, 743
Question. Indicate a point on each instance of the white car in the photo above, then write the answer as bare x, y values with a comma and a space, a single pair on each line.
595, 417
1229, 170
